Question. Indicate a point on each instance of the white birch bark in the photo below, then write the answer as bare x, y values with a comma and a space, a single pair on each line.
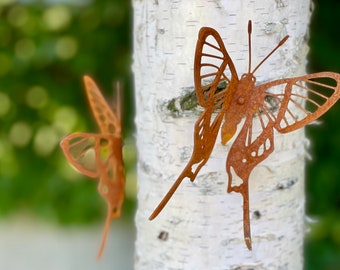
202, 222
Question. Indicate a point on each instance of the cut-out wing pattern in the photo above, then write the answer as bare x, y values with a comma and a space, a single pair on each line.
284, 105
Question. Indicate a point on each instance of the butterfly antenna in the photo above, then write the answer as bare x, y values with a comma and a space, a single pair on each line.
278, 46
249, 44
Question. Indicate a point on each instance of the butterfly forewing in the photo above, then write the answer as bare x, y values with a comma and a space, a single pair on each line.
87, 152
285, 104
300, 100
212, 66
107, 121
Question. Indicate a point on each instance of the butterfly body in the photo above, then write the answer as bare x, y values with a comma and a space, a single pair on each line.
297, 102
235, 111
100, 155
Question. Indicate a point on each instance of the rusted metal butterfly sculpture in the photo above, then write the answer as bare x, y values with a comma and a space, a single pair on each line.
100, 155
297, 102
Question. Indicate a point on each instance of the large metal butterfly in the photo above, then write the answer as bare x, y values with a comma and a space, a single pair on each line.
297, 102
100, 155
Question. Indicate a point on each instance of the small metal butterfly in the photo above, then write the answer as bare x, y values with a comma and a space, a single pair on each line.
298, 101
100, 155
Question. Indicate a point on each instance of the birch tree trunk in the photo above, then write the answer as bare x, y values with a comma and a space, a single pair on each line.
202, 226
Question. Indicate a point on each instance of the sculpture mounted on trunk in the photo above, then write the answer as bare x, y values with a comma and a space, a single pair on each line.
285, 105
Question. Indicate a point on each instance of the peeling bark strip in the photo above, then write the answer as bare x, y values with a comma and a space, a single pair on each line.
203, 223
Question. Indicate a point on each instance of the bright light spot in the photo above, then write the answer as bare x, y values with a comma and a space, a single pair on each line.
18, 16
37, 97
129, 150
20, 134
88, 160
57, 17
6, 64
8, 161
131, 184
5, 104
89, 19
65, 119
45, 141
129, 153
2, 149
66, 47
24, 48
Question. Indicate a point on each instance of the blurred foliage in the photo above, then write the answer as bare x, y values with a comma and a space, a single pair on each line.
45, 49
322, 247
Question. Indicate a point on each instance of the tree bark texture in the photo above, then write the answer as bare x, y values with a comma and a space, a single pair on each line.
202, 227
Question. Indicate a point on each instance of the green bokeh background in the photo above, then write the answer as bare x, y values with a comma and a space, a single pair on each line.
45, 49
322, 247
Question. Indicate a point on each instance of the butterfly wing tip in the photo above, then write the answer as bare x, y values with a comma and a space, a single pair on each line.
100, 252
87, 79
154, 214
248, 243
63, 143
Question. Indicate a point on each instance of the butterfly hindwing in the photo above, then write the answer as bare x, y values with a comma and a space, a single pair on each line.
250, 149
205, 133
112, 180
